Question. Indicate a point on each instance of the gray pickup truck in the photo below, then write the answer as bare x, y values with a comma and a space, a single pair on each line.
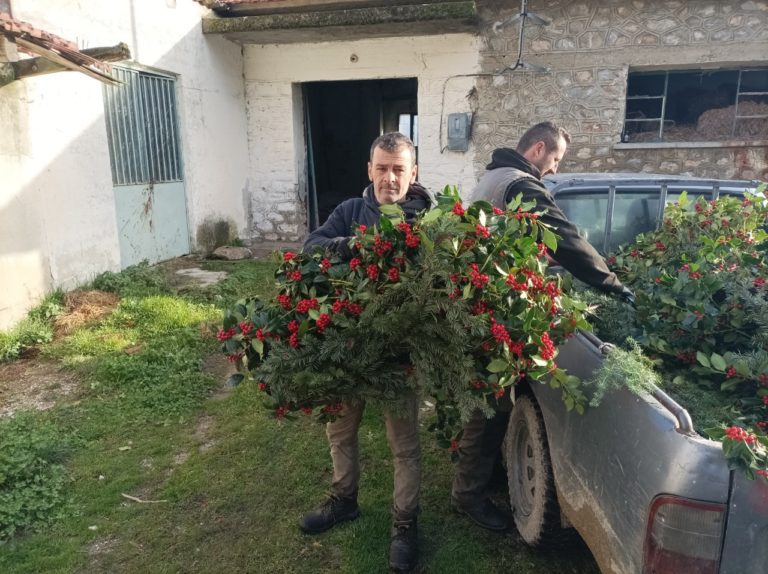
645, 492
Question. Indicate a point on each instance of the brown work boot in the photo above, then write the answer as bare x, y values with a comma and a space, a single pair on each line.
404, 547
329, 514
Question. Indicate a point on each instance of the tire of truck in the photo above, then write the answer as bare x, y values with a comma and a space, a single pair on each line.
532, 492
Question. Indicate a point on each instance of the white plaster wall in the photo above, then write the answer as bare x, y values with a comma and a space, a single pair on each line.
57, 217
271, 71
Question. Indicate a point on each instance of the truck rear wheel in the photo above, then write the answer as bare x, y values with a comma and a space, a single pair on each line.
531, 481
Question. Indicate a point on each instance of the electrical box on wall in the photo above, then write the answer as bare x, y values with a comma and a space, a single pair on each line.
458, 132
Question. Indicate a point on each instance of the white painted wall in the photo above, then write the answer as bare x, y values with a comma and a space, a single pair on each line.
57, 216
273, 71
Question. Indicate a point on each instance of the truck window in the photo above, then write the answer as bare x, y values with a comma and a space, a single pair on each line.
587, 210
633, 213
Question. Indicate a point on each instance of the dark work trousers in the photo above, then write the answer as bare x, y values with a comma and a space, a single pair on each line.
479, 448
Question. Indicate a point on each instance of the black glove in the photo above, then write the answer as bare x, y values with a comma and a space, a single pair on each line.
340, 246
628, 296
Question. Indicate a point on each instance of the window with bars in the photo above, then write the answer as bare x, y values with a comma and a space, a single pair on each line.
697, 105
141, 128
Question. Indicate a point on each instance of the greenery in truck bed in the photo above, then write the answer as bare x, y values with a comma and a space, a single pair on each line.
701, 286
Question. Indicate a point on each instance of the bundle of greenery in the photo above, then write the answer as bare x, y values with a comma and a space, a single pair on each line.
457, 306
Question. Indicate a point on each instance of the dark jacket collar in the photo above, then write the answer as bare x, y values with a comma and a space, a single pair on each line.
416, 199
507, 157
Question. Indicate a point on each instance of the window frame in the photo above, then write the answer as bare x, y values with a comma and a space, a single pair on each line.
664, 97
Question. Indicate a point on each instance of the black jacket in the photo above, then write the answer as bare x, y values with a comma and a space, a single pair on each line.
574, 253
335, 233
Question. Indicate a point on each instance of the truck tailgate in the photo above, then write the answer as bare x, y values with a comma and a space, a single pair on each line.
745, 550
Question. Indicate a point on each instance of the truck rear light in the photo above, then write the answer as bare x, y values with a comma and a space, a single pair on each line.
683, 536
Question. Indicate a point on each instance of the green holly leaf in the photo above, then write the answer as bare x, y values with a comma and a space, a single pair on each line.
718, 362
497, 366
549, 238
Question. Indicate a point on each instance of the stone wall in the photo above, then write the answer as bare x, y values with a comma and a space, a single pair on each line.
589, 49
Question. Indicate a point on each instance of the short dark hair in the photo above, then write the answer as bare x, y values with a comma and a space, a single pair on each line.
391, 142
547, 132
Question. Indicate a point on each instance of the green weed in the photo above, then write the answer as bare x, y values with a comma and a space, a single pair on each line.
137, 280
32, 478
34, 330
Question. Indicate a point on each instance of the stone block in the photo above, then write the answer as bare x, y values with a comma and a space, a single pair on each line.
563, 79
614, 38
576, 27
647, 40
592, 40
231, 253
722, 36
565, 44
577, 10
609, 75
716, 23
584, 76
705, 10
661, 25
676, 38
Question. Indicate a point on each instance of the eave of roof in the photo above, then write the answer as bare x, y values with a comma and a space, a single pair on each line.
324, 20
63, 52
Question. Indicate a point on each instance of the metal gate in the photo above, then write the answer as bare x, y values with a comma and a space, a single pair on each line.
145, 155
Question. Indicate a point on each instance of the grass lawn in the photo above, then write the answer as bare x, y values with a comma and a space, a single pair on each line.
165, 470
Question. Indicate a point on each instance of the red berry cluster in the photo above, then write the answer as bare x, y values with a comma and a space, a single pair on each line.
285, 302
372, 271
381, 246
393, 274
223, 335
306, 304
479, 280
332, 409
547, 349
482, 231
458, 209
500, 333
738, 433
322, 322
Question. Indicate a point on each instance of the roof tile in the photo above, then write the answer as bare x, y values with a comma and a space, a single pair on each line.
9, 26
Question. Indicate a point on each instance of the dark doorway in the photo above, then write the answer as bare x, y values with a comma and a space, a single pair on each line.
342, 119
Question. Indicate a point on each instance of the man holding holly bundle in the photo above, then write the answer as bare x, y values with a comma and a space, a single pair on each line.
392, 170
510, 173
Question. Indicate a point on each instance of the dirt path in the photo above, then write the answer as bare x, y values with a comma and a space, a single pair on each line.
34, 383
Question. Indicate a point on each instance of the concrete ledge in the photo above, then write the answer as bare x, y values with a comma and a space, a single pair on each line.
355, 23
691, 145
